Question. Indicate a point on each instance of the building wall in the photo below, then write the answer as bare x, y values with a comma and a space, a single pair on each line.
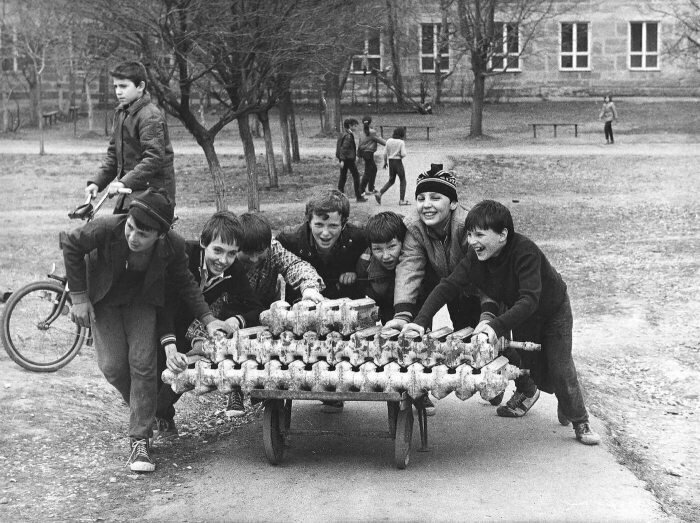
540, 74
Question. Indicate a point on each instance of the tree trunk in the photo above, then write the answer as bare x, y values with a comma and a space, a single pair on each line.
264, 118
284, 131
249, 151
90, 106
217, 174
292, 120
322, 110
5, 111
396, 77
40, 117
475, 128
333, 114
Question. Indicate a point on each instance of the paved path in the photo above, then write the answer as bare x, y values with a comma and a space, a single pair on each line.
479, 468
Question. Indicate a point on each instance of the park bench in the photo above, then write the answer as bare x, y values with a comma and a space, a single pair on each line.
391, 126
73, 112
50, 117
554, 125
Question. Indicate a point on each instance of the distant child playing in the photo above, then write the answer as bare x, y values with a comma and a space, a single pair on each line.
513, 271
394, 152
139, 155
608, 114
365, 150
346, 153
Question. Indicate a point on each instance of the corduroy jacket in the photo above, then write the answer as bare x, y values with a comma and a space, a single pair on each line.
140, 154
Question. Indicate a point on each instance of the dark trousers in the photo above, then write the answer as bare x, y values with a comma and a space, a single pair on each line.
349, 165
370, 174
556, 340
167, 398
396, 169
464, 311
609, 132
125, 344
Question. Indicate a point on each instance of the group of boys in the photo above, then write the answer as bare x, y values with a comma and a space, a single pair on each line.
134, 280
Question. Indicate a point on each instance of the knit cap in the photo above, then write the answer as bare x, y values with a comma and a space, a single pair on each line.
153, 208
437, 180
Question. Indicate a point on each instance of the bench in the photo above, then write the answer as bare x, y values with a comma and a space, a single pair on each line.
389, 126
554, 125
73, 112
50, 117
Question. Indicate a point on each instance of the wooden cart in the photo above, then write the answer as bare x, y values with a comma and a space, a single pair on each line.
278, 417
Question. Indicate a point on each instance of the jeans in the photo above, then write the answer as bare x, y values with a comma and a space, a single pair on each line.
396, 169
556, 341
126, 343
369, 176
349, 164
609, 132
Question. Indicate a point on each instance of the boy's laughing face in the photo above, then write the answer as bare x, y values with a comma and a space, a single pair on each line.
487, 243
219, 256
387, 253
434, 208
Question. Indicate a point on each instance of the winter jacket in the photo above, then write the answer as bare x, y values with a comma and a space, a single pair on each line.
426, 258
377, 283
345, 148
368, 143
140, 154
343, 256
95, 257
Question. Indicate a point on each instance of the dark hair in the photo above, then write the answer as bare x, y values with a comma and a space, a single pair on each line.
490, 214
349, 122
141, 226
366, 120
134, 71
384, 227
222, 224
325, 203
399, 132
255, 234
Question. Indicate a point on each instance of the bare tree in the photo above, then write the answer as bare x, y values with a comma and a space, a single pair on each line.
686, 14
495, 34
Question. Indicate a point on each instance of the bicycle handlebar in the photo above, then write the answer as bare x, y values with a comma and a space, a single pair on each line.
86, 211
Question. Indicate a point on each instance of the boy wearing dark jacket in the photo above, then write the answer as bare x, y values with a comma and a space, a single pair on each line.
139, 155
224, 284
118, 269
346, 152
513, 271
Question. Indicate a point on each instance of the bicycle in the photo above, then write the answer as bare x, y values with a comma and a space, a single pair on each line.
37, 331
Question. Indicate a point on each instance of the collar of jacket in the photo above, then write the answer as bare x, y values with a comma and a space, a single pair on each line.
194, 252
307, 245
136, 105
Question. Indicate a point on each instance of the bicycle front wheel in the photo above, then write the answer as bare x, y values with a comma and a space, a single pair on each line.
37, 331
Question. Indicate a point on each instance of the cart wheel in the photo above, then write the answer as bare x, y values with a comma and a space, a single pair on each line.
273, 421
402, 443
392, 412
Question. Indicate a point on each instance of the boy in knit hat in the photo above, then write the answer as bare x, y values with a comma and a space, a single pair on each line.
431, 250
118, 268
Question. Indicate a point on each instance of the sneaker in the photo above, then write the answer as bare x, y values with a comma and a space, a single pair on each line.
360, 199
585, 434
378, 197
140, 459
332, 407
429, 406
234, 405
164, 428
561, 416
518, 405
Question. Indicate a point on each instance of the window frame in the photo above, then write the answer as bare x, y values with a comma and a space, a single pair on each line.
575, 52
644, 53
505, 54
365, 57
436, 54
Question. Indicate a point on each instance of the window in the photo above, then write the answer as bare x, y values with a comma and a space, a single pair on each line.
644, 45
506, 54
432, 50
371, 58
574, 48
8, 50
